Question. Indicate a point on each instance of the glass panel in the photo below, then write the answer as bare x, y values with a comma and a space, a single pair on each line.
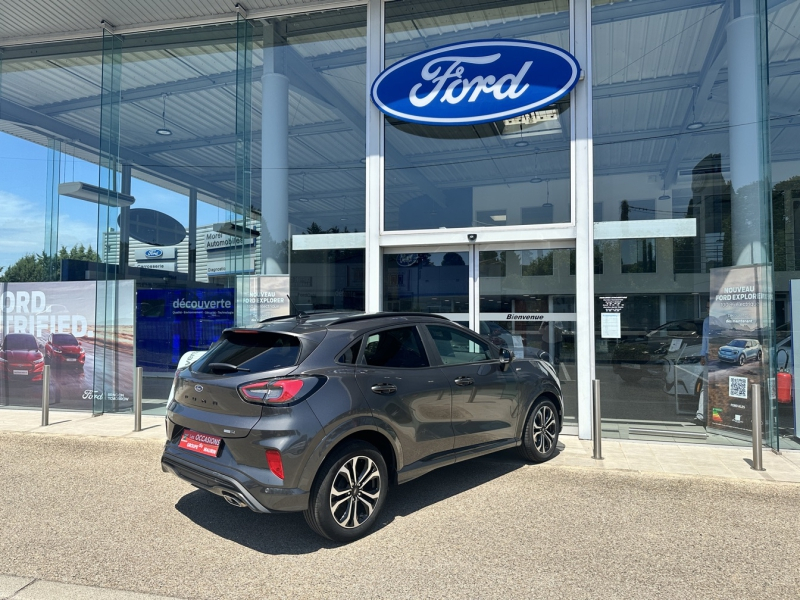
512, 172
108, 374
783, 35
680, 148
309, 126
527, 304
327, 280
433, 282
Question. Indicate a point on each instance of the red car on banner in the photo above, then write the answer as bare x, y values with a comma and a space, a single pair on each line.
64, 350
20, 358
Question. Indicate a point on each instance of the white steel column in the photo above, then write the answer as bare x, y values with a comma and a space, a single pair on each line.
373, 288
746, 115
274, 158
582, 194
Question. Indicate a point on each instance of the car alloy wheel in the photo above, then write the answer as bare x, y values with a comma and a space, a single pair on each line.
348, 492
355, 491
741, 359
540, 434
545, 428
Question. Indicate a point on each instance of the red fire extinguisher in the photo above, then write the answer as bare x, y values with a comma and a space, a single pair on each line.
784, 382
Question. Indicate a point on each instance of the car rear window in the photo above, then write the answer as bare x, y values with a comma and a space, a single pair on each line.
21, 342
255, 351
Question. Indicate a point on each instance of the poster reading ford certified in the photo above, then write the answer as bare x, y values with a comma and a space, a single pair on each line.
56, 324
262, 297
738, 314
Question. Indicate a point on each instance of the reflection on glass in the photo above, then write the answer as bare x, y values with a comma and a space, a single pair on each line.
510, 172
327, 279
435, 282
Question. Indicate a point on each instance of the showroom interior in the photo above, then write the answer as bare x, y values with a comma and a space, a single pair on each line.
201, 151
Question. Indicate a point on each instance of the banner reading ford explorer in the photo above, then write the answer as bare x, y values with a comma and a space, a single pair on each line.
262, 297
55, 323
738, 316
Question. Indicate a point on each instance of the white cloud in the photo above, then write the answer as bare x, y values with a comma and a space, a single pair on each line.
22, 229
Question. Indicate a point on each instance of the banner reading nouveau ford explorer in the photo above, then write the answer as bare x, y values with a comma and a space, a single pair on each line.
738, 316
56, 324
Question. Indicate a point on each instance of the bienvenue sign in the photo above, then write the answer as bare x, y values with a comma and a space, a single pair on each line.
475, 82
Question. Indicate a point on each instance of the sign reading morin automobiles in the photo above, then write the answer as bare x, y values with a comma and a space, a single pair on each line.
475, 82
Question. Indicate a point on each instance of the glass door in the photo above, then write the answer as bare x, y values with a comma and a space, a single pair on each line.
429, 279
520, 298
526, 303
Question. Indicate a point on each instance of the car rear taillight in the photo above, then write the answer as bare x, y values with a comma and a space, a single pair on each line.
275, 462
276, 391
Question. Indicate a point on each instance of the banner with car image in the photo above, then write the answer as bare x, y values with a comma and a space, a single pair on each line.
739, 303
57, 323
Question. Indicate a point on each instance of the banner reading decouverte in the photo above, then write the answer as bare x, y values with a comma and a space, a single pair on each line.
55, 323
738, 317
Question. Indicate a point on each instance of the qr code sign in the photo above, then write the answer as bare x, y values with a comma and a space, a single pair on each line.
737, 387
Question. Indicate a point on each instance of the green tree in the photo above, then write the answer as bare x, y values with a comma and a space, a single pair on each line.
38, 267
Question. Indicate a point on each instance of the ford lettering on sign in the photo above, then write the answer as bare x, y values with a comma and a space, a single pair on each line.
154, 253
475, 82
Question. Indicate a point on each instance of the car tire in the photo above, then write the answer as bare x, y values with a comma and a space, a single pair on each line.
339, 509
540, 434
758, 356
742, 359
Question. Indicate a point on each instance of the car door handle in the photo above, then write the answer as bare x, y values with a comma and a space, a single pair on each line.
464, 381
384, 388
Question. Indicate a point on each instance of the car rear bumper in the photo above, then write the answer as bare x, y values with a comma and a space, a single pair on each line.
231, 482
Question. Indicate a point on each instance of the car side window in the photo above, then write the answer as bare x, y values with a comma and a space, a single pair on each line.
397, 348
349, 356
456, 347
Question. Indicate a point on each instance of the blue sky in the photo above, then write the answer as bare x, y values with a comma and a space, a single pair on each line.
23, 197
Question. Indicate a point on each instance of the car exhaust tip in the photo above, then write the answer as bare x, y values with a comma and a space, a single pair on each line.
233, 500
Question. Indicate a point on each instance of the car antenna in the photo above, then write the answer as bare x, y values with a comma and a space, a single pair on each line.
299, 313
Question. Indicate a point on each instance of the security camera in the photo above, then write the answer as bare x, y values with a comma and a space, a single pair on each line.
472, 237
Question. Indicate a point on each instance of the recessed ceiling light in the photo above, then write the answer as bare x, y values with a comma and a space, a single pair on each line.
695, 126
303, 199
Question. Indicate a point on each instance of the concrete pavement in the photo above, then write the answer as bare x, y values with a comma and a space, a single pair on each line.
27, 588
98, 512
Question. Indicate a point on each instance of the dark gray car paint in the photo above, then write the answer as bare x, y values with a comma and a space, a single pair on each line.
307, 431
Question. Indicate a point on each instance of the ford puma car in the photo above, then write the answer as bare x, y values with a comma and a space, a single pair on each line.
322, 413
20, 358
63, 349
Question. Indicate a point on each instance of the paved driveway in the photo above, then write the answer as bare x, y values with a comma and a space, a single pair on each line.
100, 512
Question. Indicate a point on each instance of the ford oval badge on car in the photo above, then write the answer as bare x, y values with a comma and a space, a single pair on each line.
475, 82
198, 388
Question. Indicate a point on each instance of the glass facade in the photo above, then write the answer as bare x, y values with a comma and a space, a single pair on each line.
160, 186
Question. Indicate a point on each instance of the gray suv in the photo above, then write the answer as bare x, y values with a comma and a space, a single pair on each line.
321, 413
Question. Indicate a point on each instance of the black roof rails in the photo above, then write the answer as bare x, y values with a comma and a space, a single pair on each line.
383, 315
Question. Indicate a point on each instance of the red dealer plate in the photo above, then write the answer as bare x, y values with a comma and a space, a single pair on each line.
200, 442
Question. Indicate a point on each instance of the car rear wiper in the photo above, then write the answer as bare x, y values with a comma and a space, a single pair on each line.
227, 368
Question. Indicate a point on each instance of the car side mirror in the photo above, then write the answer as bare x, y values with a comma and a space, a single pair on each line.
505, 358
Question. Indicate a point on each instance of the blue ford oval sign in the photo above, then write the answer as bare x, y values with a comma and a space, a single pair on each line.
475, 82
154, 253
